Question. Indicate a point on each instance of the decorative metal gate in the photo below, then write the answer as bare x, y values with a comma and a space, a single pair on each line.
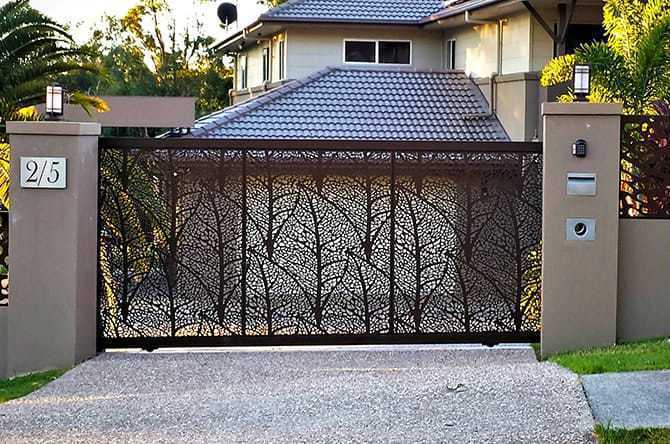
210, 242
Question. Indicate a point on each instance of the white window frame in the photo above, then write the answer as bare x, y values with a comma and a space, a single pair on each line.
451, 54
344, 51
376, 42
243, 62
281, 49
266, 63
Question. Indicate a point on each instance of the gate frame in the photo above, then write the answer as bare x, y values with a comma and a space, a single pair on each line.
313, 145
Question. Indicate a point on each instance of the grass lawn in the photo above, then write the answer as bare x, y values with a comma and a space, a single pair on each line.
634, 356
608, 435
23, 385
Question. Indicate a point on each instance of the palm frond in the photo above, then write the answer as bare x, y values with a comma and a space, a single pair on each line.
33, 50
558, 70
89, 103
4, 174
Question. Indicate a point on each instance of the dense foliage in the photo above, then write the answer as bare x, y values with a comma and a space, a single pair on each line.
33, 51
144, 53
633, 65
271, 3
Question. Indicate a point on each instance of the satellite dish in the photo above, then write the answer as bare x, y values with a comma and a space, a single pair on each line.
227, 13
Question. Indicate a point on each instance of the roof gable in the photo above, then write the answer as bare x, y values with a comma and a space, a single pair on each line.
362, 104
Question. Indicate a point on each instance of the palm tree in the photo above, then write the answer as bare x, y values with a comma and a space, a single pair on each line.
633, 66
33, 50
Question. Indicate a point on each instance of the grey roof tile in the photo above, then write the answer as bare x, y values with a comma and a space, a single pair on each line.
367, 104
355, 10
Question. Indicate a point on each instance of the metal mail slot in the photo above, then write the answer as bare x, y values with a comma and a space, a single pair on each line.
582, 184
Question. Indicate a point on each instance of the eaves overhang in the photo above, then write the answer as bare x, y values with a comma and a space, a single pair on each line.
457, 10
258, 30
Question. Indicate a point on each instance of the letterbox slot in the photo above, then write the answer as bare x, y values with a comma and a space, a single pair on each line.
581, 184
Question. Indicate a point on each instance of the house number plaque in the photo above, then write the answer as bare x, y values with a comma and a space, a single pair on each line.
44, 172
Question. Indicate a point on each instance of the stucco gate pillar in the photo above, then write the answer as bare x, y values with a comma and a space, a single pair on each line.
580, 226
51, 318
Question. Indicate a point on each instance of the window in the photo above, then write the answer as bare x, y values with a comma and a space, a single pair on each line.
266, 64
360, 52
396, 53
451, 54
378, 51
243, 71
282, 60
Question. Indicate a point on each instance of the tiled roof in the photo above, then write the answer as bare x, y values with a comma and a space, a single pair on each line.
385, 11
362, 104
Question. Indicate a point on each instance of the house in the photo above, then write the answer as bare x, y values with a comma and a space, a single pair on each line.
363, 185
498, 45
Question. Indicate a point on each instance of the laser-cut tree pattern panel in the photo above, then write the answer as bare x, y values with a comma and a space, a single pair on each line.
315, 237
280, 243
127, 258
212, 251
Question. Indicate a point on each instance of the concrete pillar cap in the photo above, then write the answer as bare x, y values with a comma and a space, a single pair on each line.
581, 109
54, 128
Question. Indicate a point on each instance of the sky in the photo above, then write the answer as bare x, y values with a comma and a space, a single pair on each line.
83, 14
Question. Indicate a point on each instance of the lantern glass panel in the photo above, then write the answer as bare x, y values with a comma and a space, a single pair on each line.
582, 79
54, 103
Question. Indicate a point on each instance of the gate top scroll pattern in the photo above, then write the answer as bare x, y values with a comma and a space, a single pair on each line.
247, 243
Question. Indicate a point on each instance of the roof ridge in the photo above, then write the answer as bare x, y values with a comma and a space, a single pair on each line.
252, 104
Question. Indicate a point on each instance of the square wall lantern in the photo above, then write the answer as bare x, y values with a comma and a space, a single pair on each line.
582, 79
54, 103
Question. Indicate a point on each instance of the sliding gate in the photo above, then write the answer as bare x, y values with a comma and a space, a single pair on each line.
211, 242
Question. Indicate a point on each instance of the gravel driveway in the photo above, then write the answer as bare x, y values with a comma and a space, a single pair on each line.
401, 394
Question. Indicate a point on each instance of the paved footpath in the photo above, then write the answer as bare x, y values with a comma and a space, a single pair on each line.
630, 400
321, 395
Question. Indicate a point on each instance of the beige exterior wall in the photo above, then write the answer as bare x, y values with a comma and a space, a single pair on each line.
255, 84
517, 103
311, 49
477, 46
254, 66
526, 46
516, 44
3, 342
476, 49
541, 49
276, 56
51, 319
644, 281
579, 278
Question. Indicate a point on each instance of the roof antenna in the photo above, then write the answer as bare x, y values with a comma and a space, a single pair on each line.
227, 13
